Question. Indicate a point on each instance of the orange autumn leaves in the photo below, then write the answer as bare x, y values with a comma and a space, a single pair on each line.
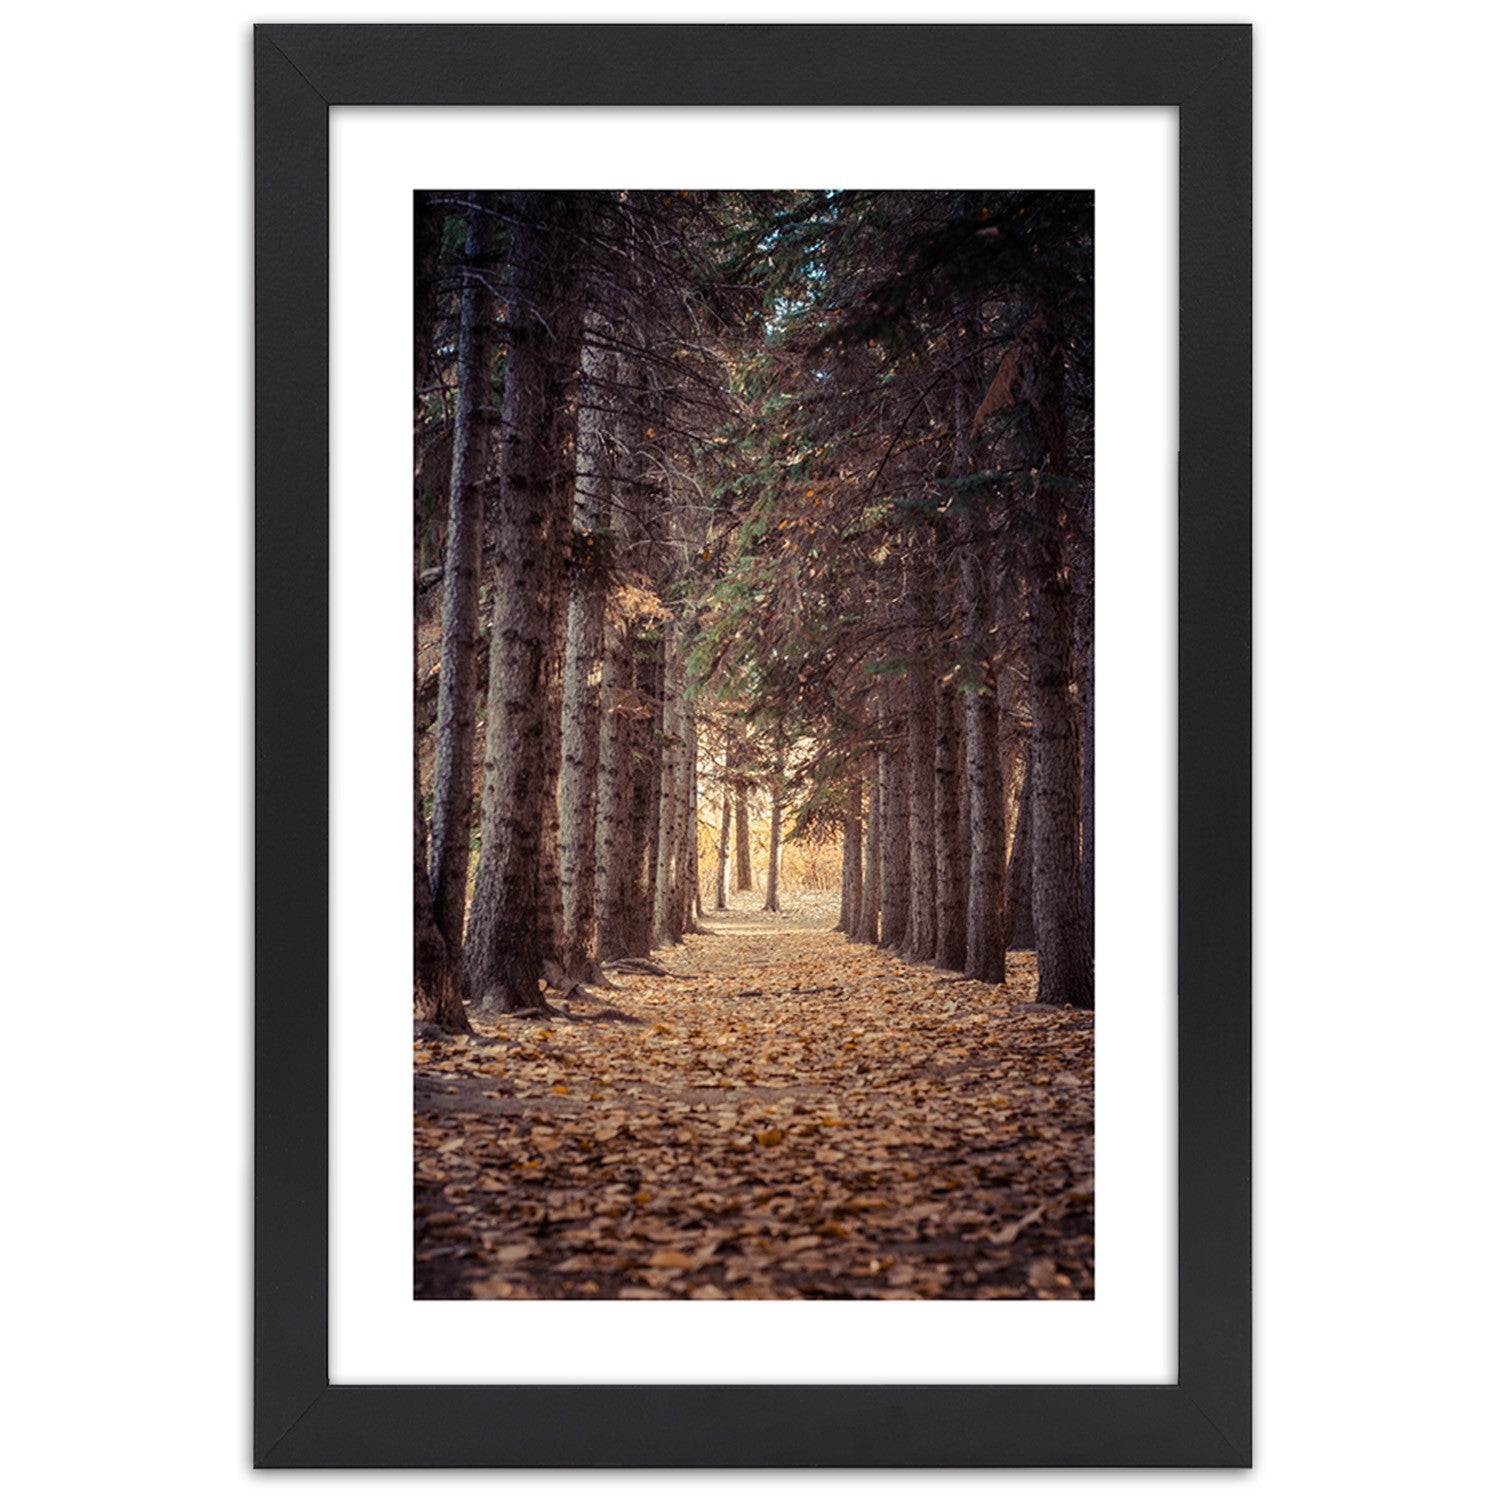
795, 1117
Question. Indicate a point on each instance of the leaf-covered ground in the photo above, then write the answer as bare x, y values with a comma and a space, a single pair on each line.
788, 1115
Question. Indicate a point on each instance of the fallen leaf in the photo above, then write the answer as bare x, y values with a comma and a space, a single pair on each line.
645, 1157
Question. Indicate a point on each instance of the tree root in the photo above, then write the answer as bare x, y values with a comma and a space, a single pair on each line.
553, 973
609, 1013
645, 966
493, 1007
637, 966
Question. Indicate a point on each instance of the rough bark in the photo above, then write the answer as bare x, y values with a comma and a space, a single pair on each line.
773, 870
667, 925
950, 775
619, 714
744, 876
962, 780
984, 956
583, 666
726, 819
662, 932
645, 829
549, 877
437, 990
983, 827
507, 939
1081, 573
921, 927
628, 705
458, 678
694, 904
685, 859
851, 886
1065, 966
427, 243
867, 929
1019, 928
984, 783
895, 852
949, 865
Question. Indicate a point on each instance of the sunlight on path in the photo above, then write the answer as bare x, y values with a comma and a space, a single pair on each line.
814, 912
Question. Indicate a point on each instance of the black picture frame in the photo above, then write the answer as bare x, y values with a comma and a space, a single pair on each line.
301, 1420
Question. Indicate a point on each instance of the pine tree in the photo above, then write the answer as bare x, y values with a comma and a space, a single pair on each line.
511, 932
458, 682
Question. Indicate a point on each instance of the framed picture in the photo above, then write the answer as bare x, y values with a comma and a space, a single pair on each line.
1135, 122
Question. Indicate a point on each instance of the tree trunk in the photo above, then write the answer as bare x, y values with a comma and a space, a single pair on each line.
583, 669
549, 877
1019, 928
686, 890
458, 680
695, 872
744, 878
949, 865
1081, 574
726, 817
628, 704
645, 831
1064, 954
867, 930
773, 871
627, 723
507, 940
427, 237
437, 991
667, 908
984, 787
616, 790
851, 887
984, 773
427, 245
921, 926
895, 852
985, 952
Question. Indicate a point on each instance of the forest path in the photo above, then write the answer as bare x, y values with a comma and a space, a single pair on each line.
794, 1116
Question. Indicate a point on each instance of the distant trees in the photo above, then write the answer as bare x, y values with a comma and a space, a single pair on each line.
790, 496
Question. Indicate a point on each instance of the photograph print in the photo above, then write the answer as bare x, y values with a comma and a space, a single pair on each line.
753, 771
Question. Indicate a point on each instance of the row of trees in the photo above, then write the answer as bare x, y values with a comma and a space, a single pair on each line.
801, 480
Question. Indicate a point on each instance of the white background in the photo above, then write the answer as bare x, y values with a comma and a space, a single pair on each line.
378, 1334
127, 539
